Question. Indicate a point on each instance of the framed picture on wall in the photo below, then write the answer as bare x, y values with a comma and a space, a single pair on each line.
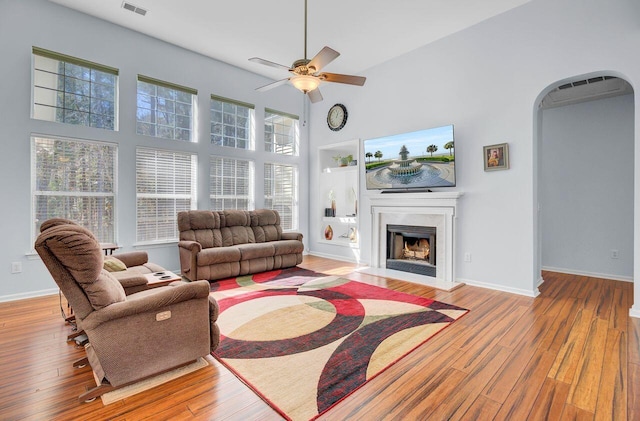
496, 157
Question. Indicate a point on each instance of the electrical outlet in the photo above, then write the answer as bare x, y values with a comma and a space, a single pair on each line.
614, 254
467, 257
16, 267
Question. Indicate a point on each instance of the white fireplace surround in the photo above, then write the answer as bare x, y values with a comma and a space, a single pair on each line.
434, 209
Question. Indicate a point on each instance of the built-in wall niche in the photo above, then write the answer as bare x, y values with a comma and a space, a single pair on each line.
338, 194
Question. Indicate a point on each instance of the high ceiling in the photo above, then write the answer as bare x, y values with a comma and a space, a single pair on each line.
365, 32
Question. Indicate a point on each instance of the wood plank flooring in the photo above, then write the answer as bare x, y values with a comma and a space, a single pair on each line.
571, 353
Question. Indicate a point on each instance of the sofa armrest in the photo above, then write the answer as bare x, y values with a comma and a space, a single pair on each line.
292, 236
188, 252
149, 301
192, 246
133, 258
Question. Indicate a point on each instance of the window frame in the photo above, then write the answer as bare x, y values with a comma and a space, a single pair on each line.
270, 136
250, 178
169, 115
251, 123
70, 193
295, 200
89, 94
192, 196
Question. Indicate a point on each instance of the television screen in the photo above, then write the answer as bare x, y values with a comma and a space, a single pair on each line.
416, 160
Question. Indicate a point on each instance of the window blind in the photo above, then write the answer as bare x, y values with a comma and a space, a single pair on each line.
165, 185
231, 184
281, 193
75, 179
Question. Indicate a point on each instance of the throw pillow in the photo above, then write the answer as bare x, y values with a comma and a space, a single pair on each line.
113, 264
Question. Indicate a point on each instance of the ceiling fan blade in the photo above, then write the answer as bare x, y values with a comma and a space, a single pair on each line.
272, 85
324, 57
338, 78
315, 95
268, 63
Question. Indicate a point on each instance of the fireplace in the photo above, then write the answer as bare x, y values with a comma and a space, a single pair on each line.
417, 216
412, 249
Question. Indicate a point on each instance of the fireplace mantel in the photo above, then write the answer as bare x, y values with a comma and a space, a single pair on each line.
434, 199
436, 209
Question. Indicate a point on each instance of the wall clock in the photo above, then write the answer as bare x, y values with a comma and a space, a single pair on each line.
337, 117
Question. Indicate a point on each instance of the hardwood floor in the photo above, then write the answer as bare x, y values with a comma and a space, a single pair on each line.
571, 353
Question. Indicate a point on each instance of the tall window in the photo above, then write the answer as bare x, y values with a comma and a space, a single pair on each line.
165, 185
232, 123
74, 91
281, 132
76, 180
165, 110
281, 193
231, 185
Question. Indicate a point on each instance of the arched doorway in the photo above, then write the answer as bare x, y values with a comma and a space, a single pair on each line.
584, 177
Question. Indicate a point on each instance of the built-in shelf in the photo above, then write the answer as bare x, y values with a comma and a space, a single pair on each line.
338, 184
341, 219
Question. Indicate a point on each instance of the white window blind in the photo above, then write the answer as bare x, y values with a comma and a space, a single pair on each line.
76, 180
281, 133
232, 123
74, 91
231, 183
281, 193
165, 110
165, 185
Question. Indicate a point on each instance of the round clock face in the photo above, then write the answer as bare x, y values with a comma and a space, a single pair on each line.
337, 117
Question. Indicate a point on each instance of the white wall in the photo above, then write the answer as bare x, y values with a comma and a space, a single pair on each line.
24, 24
586, 188
486, 81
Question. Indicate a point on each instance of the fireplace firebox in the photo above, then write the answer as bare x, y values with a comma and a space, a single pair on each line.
411, 249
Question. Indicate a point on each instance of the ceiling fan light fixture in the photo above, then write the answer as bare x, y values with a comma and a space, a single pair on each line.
305, 83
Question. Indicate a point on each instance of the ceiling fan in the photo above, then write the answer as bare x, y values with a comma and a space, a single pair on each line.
306, 73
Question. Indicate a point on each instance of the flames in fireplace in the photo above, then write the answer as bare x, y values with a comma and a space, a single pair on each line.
418, 250
411, 249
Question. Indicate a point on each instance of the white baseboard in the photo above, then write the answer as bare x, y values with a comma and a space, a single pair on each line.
589, 274
634, 312
334, 257
25, 295
527, 293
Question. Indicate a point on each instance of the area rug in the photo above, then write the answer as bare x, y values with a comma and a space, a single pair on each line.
303, 341
119, 394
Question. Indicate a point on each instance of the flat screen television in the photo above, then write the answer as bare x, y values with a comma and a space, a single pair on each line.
411, 161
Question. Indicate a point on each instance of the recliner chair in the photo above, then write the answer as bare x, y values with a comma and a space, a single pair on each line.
130, 337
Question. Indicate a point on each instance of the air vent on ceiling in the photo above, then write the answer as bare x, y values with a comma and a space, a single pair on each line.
133, 8
586, 90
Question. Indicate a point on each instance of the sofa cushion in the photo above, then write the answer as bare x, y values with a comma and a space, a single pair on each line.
256, 250
113, 264
212, 256
283, 247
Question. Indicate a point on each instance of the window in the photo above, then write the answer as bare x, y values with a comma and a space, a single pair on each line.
165, 185
76, 180
165, 110
281, 193
281, 133
74, 91
232, 123
231, 184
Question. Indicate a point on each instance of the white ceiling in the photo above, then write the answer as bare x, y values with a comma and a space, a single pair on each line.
365, 32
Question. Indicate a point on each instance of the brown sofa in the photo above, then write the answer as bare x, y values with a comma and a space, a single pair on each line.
131, 337
221, 244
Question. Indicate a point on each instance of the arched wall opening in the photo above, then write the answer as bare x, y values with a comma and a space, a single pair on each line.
584, 168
